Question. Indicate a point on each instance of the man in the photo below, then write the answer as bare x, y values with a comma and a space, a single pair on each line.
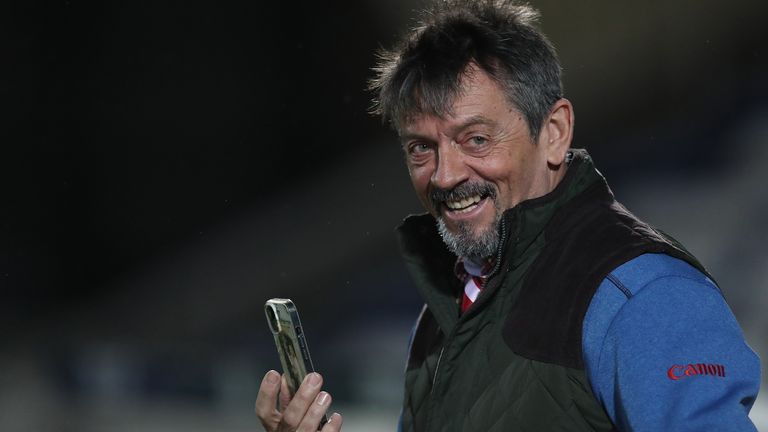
548, 305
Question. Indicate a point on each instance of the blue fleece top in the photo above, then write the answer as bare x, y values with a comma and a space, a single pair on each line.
663, 352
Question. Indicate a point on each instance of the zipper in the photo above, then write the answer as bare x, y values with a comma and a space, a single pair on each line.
496, 267
431, 401
437, 367
500, 247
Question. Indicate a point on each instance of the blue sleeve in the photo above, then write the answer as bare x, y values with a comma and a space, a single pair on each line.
663, 352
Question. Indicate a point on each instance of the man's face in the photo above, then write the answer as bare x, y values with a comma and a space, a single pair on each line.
470, 166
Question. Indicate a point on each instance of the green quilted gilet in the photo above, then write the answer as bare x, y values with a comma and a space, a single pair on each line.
461, 375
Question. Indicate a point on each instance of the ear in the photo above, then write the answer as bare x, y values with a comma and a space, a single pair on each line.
557, 132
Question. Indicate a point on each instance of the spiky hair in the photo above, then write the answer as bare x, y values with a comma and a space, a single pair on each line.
423, 73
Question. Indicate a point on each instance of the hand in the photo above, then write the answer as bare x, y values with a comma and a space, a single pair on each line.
302, 413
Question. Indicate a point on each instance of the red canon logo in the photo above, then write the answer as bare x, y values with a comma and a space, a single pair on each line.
681, 371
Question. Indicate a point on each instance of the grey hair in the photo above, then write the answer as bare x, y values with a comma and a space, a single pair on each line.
423, 73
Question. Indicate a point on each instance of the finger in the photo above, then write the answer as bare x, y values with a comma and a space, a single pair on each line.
267, 399
302, 400
316, 411
334, 423
285, 395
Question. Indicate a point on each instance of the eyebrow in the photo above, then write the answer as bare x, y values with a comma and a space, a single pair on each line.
453, 130
472, 121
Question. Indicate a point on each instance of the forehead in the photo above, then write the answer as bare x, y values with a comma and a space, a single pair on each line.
480, 100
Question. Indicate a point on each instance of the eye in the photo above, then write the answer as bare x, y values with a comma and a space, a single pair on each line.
419, 147
478, 140
419, 152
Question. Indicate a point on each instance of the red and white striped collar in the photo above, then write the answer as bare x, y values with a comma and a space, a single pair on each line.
465, 268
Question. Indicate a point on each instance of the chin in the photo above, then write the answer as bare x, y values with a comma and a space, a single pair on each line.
468, 241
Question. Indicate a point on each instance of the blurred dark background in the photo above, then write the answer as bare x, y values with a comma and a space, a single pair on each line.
166, 167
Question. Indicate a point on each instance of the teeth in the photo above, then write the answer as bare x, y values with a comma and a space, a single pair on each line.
461, 204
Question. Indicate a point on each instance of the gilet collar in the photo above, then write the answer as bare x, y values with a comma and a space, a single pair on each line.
431, 264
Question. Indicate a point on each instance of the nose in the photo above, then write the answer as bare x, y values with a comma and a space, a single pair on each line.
451, 169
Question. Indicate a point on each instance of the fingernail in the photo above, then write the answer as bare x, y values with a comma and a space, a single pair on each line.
322, 398
334, 418
314, 379
273, 377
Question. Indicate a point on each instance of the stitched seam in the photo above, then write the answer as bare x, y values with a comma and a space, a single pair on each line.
618, 284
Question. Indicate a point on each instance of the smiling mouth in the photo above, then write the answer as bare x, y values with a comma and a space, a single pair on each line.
464, 205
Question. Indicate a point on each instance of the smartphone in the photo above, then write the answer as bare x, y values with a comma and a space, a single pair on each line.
283, 319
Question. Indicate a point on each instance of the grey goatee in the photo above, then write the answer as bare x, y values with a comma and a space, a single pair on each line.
463, 240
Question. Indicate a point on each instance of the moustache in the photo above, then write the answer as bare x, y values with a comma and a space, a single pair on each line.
465, 190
